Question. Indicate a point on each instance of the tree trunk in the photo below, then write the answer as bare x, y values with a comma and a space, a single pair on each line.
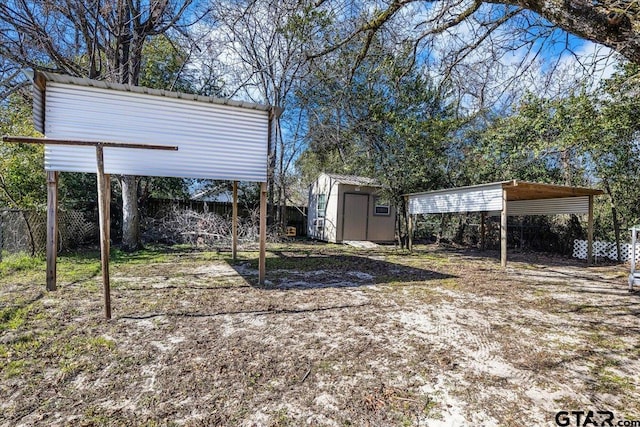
130, 214
443, 222
462, 227
402, 223
32, 240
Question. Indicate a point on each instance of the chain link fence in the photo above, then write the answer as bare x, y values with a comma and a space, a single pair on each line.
26, 231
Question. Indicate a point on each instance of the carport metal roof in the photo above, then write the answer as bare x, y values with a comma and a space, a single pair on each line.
519, 190
508, 198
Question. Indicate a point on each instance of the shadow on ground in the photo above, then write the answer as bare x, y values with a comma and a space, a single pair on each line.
513, 255
296, 270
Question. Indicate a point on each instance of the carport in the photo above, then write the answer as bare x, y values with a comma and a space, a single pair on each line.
507, 198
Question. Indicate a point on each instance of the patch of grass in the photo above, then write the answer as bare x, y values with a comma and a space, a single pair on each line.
451, 284
95, 416
76, 268
143, 256
11, 318
101, 343
539, 292
605, 342
13, 263
26, 344
611, 382
14, 368
433, 259
282, 418
300, 263
582, 308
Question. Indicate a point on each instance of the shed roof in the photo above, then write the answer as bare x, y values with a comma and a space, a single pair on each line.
524, 190
354, 180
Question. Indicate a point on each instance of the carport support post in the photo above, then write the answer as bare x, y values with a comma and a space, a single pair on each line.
483, 230
234, 222
263, 233
103, 210
409, 226
52, 228
503, 230
590, 232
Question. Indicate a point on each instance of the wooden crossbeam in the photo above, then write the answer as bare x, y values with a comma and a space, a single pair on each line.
110, 144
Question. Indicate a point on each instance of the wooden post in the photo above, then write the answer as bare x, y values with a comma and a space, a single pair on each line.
104, 232
104, 195
590, 232
52, 229
263, 233
483, 231
503, 230
234, 223
409, 226
107, 210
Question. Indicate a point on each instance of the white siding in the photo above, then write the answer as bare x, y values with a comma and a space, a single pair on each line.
38, 109
331, 221
215, 141
565, 205
487, 198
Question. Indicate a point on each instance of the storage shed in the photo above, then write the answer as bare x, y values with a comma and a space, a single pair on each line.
508, 198
349, 208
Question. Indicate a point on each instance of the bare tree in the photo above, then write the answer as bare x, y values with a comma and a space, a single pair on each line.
611, 23
486, 48
263, 45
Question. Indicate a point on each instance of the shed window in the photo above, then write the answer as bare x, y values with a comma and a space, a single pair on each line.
382, 206
322, 205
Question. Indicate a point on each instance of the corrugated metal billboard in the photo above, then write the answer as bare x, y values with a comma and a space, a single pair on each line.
215, 140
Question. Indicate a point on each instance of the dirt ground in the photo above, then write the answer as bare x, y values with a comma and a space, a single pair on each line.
338, 337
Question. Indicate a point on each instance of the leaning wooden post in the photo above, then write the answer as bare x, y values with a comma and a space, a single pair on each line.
234, 223
52, 229
503, 230
263, 233
104, 233
590, 233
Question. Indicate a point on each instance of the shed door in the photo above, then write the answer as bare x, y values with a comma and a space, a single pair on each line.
354, 220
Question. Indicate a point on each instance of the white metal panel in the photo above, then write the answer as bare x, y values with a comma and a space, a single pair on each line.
215, 141
565, 205
38, 109
471, 199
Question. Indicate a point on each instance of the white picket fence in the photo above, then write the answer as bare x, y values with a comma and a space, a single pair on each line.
605, 250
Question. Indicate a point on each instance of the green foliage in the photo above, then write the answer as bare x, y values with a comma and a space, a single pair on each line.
22, 178
581, 139
544, 141
388, 120
164, 65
